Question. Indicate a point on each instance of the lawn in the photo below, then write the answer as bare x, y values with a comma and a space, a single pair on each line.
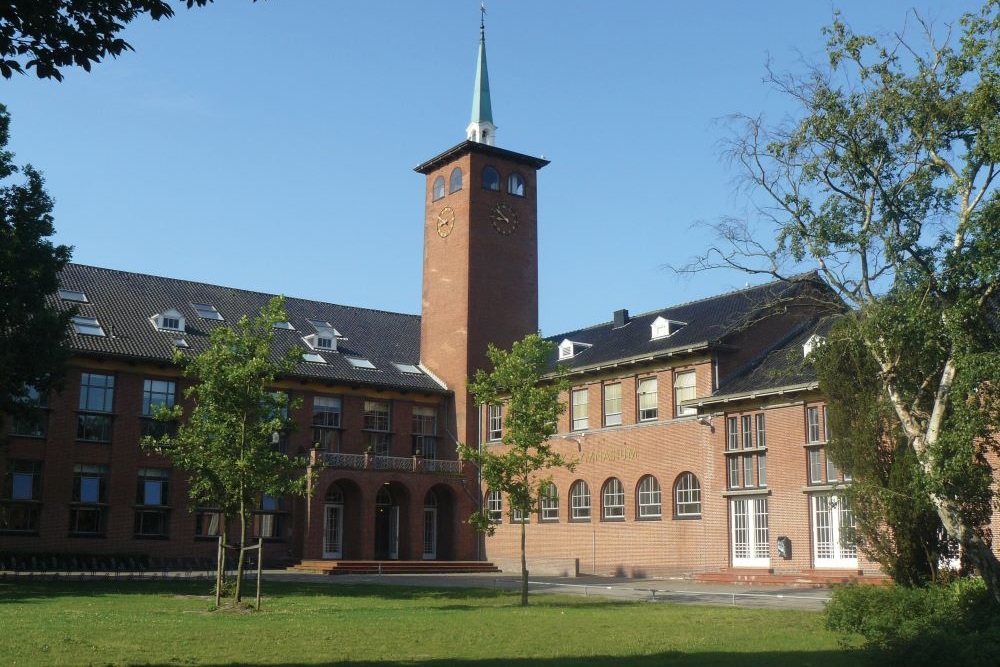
170, 623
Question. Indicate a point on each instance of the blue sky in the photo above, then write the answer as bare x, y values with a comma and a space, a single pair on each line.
271, 146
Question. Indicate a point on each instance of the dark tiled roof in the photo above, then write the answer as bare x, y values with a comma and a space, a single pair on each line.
123, 303
709, 322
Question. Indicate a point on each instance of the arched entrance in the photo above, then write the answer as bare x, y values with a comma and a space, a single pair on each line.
386, 525
439, 523
333, 523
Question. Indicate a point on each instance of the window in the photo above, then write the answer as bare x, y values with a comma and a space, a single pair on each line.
438, 189
376, 422
269, 520
750, 532
746, 424
762, 470
647, 399
495, 423
613, 497
31, 417
687, 496
579, 500
732, 433
425, 431
168, 320
206, 311
20, 506
580, 408
409, 369
455, 180
283, 325
87, 326
815, 466
207, 522
664, 328
72, 295
97, 393
812, 425
87, 506
733, 463
152, 499
515, 184
494, 506
832, 471
313, 358
326, 423
548, 503
491, 179
761, 431
649, 498
357, 362
684, 389
612, 404
748, 470
156, 394
833, 526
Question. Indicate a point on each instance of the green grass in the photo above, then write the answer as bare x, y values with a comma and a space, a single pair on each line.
170, 623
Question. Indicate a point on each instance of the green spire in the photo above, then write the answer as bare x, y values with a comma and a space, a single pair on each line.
481, 128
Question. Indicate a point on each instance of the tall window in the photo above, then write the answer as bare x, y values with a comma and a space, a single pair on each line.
687, 496
580, 409
833, 525
649, 498
376, 423
97, 393
579, 499
494, 506
495, 422
20, 504
684, 389
813, 432
746, 424
491, 179
515, 184
269, 519
548, 503
326, 416
612, 404
647, 399
732, 433
152, 498
815, 465
32, 419
751, 547
455, 180
733, 464
761, 430
425, 431
613, 500
89, 499
156, 394
438, 189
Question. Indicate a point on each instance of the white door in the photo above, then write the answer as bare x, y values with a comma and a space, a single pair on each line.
430, 533
333, 532
833, 520
394, 532
749, 532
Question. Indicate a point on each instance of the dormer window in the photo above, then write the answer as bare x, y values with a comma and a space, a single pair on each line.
168, 320
324, 340
664, 328
88, 326
206, 311
569, 349
810, 345
325, 343
72, 295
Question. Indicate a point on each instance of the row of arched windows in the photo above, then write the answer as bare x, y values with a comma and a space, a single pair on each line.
491, 181
686, 501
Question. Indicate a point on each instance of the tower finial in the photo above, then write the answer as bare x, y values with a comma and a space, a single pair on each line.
481, 128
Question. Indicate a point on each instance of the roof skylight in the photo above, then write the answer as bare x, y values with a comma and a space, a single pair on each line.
408, 368
180, 342
206, 311
72, 295
358, 362
312, 357
283, 325
88, 326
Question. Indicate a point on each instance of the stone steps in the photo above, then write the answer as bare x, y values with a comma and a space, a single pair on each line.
393, 567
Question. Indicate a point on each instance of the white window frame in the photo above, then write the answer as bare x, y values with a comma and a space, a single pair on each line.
494, 430
687, 496
548, 503
832, 518
649, 498
749, 531
580, 409
579, 498
685, 388
613, 500
612, 404
813, 430
647, 399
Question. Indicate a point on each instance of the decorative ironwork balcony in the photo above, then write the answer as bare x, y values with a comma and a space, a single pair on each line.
414, 464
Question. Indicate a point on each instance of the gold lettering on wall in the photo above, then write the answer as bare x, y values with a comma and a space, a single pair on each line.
626, 453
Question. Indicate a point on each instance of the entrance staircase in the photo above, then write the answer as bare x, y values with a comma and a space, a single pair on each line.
393, 567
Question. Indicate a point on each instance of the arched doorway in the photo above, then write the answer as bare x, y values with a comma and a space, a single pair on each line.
430, 525
386, 525
333, 523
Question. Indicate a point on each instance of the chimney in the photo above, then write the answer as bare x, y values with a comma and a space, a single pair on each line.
621, 318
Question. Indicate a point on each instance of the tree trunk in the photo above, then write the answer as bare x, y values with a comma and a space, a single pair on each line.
524, 566
974, 547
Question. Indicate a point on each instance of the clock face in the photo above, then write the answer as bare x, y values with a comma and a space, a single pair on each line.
446, 221
504, 219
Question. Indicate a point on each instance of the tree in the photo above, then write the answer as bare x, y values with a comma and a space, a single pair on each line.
887, 182
225, 446
32, 331
531, 406
51, 34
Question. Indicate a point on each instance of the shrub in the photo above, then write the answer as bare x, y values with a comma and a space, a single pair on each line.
955, 623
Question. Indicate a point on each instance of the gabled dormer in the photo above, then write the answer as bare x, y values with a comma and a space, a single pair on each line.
569, 349
168, 320
664, 328
325, 338
812, 344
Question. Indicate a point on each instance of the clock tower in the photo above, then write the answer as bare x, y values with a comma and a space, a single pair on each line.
480, 280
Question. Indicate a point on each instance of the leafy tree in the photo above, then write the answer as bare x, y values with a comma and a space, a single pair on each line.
225, 445
32, 331
531, 407
886, 181
51, 34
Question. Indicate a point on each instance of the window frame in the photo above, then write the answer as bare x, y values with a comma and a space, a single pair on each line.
494, 422
490, 178
612, 416
95, 407
147, 512
580, 410
548, 503
649, 501
494, 506
327, 422
516, 185
579, 493
612, 500
84, 510
687, 493
424, 434
452, 187
438, 188
647, 414
21, 512
681, 392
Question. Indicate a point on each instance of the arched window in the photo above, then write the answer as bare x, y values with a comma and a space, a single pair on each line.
515, 184
438, 188
431, 499
548, 503
383, 497
455, 180
687, 496
494, 506
334, 495
613, 500
579, 499
491, 179
648, 493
